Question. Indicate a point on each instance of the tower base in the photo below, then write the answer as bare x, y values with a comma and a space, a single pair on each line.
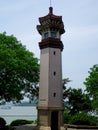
44, 128
50, 119
47, 128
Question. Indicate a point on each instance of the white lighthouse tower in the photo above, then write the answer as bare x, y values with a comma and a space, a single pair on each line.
50, 103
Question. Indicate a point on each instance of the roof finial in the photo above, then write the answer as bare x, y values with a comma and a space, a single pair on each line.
50, 10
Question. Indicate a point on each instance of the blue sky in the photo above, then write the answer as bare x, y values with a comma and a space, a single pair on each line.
80, 17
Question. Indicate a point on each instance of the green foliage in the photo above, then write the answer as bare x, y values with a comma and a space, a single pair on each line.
67, 116
2, 122
77, 101
91, 83
83, 119
65, 90
20, 122
19, 70
77, 107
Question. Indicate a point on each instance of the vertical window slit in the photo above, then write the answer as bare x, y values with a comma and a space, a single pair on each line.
54, 73
54, 52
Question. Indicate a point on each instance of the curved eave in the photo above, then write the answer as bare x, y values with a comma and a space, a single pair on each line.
51, 43
50, 16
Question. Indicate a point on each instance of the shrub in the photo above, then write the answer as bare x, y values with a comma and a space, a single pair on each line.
20, 122
83, 119
36, 121
2, 122
67, 117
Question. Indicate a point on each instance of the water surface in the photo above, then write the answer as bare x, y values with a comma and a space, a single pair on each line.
18, 112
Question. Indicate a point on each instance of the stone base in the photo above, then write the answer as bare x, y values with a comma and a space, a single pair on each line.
44, 128
62, 128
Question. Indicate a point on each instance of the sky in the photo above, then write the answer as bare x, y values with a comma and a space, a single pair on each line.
80, 17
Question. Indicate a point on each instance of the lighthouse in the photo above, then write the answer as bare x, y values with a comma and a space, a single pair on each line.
50, 102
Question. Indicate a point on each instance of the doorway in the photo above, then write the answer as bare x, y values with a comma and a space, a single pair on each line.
54, 120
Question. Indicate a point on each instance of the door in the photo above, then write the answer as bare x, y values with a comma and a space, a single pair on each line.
54, 120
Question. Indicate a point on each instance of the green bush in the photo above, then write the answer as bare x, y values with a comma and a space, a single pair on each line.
67, 117
20, 122
83, 119
35, 122
2, 122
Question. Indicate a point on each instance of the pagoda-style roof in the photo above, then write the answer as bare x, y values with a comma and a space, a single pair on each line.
51, 21
50, 16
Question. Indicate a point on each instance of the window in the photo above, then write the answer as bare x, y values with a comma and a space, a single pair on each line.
54, 52
46, 35
53, 34
54, 73
54, 94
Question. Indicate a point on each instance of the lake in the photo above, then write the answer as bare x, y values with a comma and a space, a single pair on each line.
18, 112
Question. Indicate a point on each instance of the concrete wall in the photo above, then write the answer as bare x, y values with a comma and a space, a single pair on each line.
75, 127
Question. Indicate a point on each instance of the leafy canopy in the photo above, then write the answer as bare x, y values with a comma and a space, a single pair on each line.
77, 101
19, 70
91, 83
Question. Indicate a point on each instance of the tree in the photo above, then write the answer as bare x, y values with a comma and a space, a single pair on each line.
65, 90
19, 70
76, 101
91, 83
78, 107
